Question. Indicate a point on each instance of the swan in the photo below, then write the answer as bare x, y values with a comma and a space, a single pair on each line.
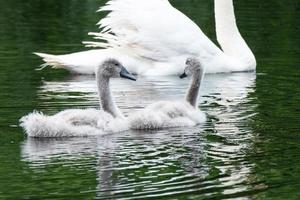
83, 122
164, 114
153, 38
168, 114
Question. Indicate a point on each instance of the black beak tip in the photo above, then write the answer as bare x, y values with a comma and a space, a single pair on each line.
125, 74
182, 76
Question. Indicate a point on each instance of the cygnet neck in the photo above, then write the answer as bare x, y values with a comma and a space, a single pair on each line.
106, 100
193, 91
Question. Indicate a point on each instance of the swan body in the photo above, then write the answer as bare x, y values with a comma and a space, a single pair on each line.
166, 114
71, 123
154, 38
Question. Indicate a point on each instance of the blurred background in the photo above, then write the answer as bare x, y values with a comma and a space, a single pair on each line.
249, 147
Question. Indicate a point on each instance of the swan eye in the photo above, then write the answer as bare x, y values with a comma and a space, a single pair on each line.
188, 61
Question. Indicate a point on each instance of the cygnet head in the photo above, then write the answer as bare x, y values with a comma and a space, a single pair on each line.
111, 68
193, 67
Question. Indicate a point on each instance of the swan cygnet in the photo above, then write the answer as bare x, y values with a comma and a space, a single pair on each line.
83, 122
168, 114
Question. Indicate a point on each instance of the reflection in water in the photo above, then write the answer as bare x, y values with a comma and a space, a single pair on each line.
225, 90
160, 163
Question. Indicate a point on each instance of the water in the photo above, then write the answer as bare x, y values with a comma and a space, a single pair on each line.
248, 149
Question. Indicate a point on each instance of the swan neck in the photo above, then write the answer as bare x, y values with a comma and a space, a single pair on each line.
193, 91
228, 34
106, 101
225, 17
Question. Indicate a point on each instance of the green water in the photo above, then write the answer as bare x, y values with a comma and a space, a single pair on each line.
248, 149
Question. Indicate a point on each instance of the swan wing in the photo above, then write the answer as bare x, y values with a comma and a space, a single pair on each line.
152, 30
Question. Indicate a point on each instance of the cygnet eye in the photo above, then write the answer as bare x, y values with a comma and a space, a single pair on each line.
116, 64
188, 61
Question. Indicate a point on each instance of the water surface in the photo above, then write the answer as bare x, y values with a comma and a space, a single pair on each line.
247, 149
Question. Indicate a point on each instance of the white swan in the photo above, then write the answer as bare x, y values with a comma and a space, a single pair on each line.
76, 122
154, 38
166, 114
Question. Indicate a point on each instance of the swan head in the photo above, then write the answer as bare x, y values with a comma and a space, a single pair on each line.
193, 66
112, 68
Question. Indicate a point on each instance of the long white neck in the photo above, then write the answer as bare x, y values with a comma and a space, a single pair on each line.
193, 91
106, 101
228, 34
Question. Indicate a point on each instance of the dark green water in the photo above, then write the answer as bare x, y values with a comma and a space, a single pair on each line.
248, 149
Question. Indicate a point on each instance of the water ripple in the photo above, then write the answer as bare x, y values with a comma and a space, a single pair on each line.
206, 160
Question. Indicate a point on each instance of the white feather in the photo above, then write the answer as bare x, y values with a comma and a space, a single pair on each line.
92, 122
72, 123
166, 114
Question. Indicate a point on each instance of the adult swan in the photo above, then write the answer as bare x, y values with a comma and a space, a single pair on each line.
154, 38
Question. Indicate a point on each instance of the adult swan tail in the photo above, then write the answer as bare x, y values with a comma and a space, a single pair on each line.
154, 38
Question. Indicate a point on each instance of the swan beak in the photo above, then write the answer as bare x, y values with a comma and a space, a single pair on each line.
125, 74
182, 76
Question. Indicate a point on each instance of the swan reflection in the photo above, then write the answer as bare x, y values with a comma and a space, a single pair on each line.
74, 91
